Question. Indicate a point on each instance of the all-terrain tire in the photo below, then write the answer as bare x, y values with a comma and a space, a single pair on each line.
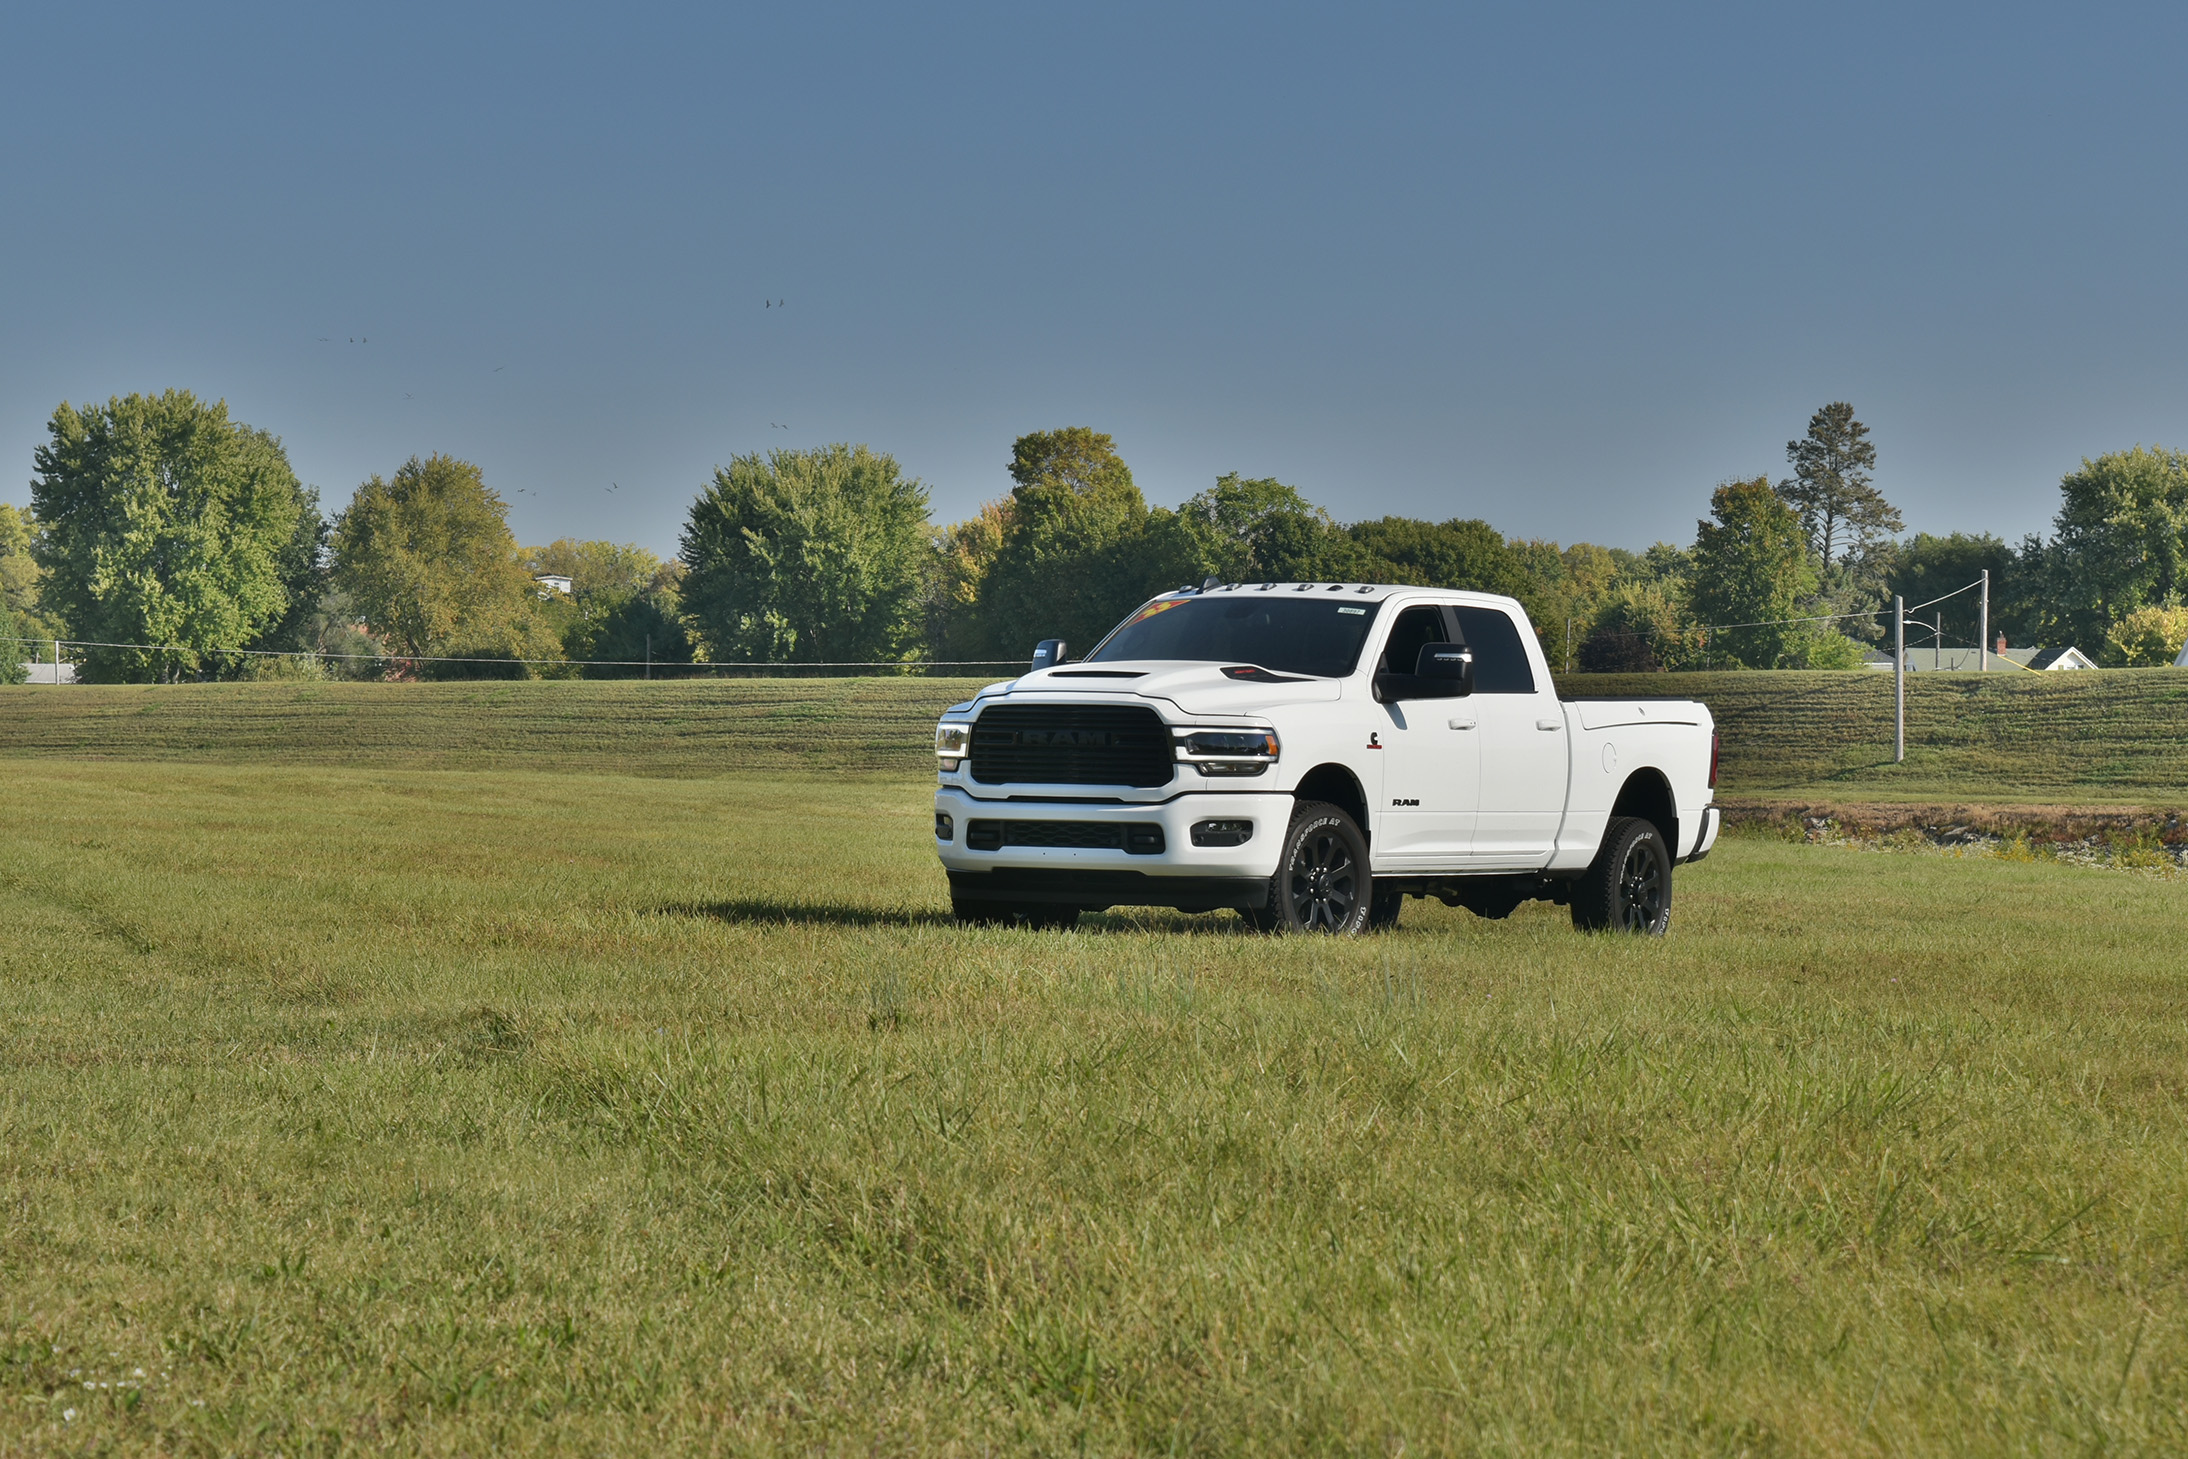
1321, 882
1627, 888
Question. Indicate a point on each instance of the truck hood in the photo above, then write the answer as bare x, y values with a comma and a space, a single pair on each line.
1196, 688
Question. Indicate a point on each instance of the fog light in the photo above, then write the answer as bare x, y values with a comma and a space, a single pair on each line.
949, 764
944, 830
1222, 833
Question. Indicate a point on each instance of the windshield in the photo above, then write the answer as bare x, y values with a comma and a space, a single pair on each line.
1291, 635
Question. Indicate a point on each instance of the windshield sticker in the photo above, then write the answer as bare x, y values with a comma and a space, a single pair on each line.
1352, 610
1153, 608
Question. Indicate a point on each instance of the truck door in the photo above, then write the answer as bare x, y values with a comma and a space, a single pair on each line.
1431, 761
1524, 756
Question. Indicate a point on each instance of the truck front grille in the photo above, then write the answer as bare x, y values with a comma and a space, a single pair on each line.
1141, 839
1071, 744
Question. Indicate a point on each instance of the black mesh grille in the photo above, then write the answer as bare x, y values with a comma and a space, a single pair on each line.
1138, 838
1071, 744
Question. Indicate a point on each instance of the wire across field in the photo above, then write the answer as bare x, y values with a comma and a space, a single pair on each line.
438, 1109
2112, 738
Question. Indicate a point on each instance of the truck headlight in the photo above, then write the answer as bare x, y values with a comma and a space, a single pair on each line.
1229, 752
950, 743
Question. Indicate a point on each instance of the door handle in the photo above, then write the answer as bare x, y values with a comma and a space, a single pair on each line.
1462, 724
1549, 724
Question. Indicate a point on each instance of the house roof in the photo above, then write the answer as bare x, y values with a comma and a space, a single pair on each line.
2066, 657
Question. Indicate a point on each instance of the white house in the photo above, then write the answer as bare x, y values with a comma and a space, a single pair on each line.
2061, 658
2182, 661
553, 582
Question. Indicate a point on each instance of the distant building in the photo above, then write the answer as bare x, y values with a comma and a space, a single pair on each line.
2182, 661
1933, 660
50, 673
2061, 658
553, 582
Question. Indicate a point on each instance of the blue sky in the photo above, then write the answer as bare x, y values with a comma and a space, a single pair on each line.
1565, 268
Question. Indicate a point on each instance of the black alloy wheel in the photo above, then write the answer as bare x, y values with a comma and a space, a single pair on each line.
1322, 883
1628, 887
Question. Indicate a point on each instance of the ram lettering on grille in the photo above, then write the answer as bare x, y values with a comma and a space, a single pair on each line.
1071, 744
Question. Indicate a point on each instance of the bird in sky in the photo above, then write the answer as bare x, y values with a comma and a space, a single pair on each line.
499, 368
614, 486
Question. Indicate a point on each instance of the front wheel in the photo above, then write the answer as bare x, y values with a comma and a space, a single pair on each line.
1321, 882
1627, 888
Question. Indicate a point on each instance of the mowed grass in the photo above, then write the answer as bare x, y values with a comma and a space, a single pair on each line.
2116, 738
455, 1111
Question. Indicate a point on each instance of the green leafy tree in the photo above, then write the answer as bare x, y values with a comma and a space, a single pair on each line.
2121, 541
1260, 530
1639, 628
336, 636
427, 558
162, 522
12, 651
623, 607
808, 556
1839, 506
19, 577
1075, 556
2148, 638
1927, 566
1751, 569
1465, 554
957, 573
303, 569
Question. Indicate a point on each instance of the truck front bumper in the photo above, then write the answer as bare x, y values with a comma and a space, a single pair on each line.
1005, 850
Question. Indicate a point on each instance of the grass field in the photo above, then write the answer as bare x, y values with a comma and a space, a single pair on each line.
2116, 738
441, 1103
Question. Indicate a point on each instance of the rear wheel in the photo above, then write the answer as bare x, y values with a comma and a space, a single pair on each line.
1321, 882
1628, 886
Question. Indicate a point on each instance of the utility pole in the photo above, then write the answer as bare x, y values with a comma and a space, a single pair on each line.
1937, 661
1982, 623
1899, 679
649, 656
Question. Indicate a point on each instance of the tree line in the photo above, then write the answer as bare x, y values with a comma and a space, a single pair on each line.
158, 520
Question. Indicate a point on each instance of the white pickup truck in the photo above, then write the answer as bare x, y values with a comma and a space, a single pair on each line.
1311, 754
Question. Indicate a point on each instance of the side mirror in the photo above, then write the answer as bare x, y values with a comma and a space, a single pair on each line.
1443, 671
1047, 654
1448, 665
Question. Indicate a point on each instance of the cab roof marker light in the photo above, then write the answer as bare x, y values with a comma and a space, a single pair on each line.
1337, 587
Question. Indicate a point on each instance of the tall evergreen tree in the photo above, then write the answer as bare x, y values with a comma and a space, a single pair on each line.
1840, 508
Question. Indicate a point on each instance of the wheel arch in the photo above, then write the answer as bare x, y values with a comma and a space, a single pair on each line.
1647, 794
1337, 784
